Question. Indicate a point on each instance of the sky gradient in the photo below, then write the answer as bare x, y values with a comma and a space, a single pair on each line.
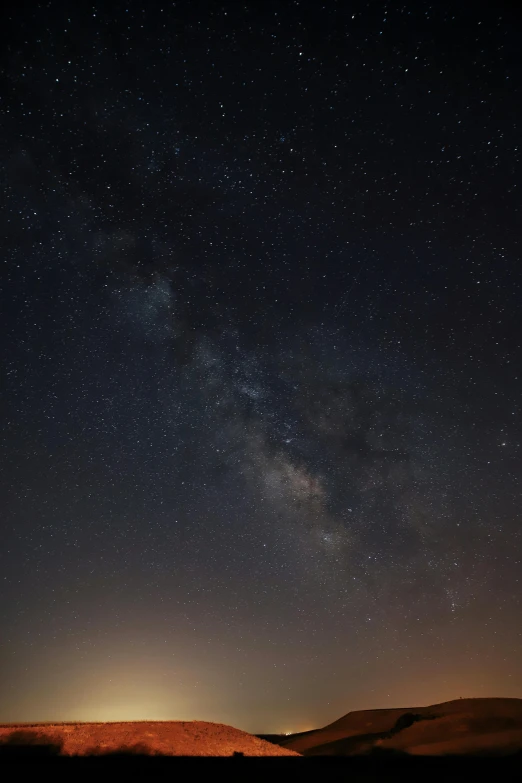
261, 393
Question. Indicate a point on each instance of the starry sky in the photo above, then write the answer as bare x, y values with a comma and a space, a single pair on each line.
261, 394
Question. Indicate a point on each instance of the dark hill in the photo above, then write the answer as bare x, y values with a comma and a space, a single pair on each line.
461, 727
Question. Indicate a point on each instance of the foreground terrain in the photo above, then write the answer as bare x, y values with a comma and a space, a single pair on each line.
166, 738
461, 727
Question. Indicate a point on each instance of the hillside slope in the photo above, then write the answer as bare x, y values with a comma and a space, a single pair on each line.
169, 738
463, 726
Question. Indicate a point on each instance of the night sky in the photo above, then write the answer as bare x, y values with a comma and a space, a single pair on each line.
261, 380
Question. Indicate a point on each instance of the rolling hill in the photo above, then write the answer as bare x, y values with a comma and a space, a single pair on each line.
462, 727
167, 738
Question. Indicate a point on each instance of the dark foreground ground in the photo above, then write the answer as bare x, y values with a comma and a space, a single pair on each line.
440, 769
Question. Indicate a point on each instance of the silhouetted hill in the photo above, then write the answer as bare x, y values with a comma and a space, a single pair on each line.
460, 727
